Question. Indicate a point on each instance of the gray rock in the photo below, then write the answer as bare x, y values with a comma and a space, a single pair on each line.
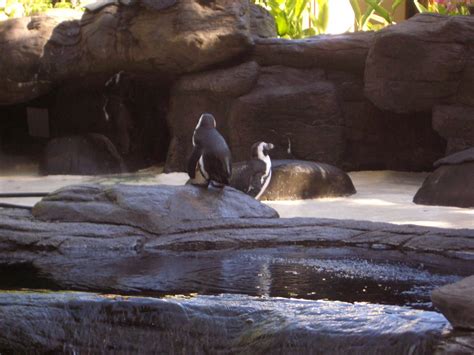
91, 323
448, 185
296, 179
394, 82
91, 154
456, 302
461, 157
150, 208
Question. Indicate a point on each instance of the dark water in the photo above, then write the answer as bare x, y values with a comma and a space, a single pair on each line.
305, 273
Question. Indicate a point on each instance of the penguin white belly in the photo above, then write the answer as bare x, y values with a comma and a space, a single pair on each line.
202, 168
266, 180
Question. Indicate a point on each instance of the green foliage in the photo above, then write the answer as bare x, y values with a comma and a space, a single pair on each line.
19, 8
445, 7
376, 16
297, 18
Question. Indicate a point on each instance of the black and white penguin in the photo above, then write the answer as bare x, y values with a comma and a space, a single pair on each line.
253, 176
211, 157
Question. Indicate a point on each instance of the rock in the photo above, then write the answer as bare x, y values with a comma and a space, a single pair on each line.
462, 157
455, 123
322, 113
451, 184
325, 52
262, 23
92, 323
296, 180
188, 36
456, 303
151, 208
443, 48
91, 154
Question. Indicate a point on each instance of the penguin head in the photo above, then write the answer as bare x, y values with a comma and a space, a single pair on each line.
260, 150
206, 120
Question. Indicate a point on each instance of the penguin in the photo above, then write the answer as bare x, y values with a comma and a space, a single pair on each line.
253, 176
211, 157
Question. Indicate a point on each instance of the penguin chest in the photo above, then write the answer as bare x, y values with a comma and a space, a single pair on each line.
201, 166
265, 180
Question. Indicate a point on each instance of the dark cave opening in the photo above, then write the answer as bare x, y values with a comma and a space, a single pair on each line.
127, 111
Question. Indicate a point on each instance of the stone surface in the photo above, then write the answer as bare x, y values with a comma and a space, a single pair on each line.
150, 208
464, 156
456, 302
262, 23
455, 123
448, 185
91, 154
40, 51
82, 322
326, 52
296, 180
442, 46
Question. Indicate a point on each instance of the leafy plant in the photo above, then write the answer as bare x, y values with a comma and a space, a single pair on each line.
376, 16
446, 7
298, 18
19, 8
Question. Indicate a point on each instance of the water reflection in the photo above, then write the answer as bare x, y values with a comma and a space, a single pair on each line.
298, 272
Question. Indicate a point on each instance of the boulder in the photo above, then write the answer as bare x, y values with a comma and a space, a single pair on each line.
442, 46
190, 35
91, 154
93, 323
455, 123
296, 180
456, 302
151, 208
451, 184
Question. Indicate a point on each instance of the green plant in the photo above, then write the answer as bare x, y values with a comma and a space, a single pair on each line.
19, 8
376, 16
446, 7
298, 18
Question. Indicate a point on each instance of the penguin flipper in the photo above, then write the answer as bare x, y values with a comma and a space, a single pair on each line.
193, 160
219, 170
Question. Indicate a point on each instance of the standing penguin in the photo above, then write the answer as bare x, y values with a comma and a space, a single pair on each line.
210, 156
253, 176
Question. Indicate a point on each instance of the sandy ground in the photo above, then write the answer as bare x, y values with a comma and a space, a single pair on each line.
382, 196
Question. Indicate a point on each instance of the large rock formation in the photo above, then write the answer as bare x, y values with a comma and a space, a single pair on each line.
357, 101
451, 184
307, 98
188, 36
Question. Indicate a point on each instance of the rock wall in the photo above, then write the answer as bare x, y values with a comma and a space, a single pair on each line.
396, 99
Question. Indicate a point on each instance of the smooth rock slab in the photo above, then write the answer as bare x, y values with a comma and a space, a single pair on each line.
456, 302
81, 322
150, 208
298, 179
